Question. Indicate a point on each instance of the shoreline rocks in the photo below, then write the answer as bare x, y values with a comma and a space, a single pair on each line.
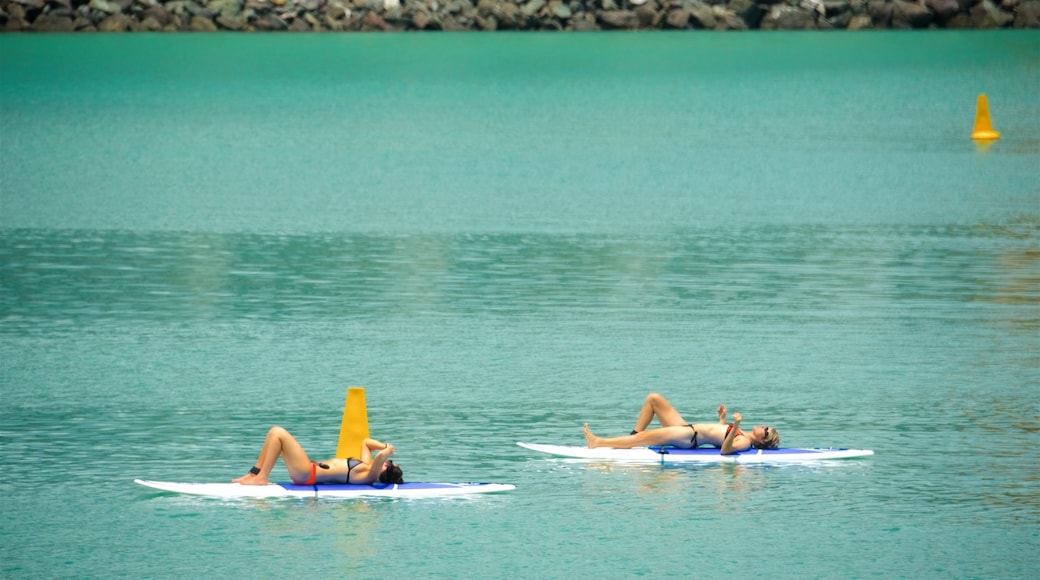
513, 15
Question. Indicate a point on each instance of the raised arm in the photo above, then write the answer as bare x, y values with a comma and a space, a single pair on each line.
381, 457
368, 446
372, 465
734, 442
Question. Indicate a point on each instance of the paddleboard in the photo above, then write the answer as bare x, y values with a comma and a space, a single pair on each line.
699, 455
341, 491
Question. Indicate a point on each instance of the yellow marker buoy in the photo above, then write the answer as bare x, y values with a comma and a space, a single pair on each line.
983, 127
354, 428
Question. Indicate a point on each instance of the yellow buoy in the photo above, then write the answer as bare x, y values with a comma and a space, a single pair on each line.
354, 429
983, 127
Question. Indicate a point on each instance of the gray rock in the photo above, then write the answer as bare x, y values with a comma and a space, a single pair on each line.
727, 20
201, 24
648, 16
860, 22
748, 10
487, 23
106, 6
114, 23
620, 19
49, 23
788, 18
702, 15
942, 9
910, 15
677, 18
233, 21
532, 7
1028, 15
880, 13
584, 23
835, 7
561, 10
987, 15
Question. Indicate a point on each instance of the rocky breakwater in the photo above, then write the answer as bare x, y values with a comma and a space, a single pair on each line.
490, 15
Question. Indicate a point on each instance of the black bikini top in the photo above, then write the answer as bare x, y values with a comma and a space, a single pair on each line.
351, 464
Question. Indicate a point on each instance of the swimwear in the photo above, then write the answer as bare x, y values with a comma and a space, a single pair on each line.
730, 428
310, 480
351, 464
693, 440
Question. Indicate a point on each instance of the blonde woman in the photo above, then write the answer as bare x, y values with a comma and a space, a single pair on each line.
676, 432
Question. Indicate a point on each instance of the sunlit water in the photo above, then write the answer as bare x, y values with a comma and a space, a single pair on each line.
502, 237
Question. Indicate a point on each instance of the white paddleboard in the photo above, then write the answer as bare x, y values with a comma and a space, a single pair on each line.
235, 490
699, 455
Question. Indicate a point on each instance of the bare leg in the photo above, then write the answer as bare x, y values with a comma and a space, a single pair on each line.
278, 443
678, 436
656, 405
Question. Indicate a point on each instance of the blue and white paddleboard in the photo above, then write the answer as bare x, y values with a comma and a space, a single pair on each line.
699, 455
341, 491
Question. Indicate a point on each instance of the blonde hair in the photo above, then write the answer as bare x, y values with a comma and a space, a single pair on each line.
771, 441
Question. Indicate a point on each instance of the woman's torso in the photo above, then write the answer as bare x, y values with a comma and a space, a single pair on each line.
339, 470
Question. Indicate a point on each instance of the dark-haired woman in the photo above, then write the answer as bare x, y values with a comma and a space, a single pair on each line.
366, 469
675, 431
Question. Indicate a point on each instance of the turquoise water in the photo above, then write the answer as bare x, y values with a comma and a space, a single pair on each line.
502, 237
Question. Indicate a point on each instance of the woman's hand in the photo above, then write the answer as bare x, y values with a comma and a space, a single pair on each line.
736, 418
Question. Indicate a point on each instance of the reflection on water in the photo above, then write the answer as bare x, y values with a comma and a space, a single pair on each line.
51, 276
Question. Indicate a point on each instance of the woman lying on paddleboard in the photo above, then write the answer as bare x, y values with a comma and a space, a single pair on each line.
675, 431
366, 470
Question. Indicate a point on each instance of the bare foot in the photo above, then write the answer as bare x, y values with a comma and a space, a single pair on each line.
591, 441
250, 479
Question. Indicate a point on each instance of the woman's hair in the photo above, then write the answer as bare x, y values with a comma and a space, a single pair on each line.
392, 474
771, 440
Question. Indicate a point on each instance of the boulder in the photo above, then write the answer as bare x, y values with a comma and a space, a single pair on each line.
725, 19
985, 14
50, 23
114, 23
619, 19
702, 16
677, 18
648, 16
373, 21
486, 23
200, 23
560, 10
585, 22
1028, 15
748, 10
880, 13
910, 15
420, 20
106, 6
233, 21
157, 13
860, 22
788, 18
943, 10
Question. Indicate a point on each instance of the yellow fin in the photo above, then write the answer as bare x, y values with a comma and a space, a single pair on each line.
354, 428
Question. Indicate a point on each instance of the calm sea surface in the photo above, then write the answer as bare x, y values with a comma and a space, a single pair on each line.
501, 237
